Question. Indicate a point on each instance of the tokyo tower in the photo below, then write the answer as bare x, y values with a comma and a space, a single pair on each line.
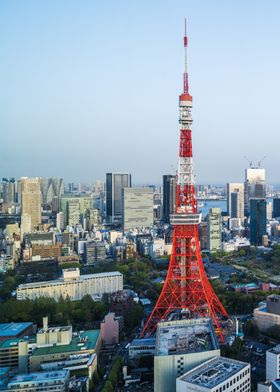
186, 288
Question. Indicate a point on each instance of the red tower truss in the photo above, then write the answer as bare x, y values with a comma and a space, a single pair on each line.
186, 287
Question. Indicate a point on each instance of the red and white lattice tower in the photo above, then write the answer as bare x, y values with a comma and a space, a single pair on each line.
186, 287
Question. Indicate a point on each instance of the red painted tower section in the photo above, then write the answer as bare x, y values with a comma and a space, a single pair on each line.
186, 287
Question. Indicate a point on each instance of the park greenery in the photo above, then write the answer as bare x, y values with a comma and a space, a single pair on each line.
63, 311
113, 378
238, 302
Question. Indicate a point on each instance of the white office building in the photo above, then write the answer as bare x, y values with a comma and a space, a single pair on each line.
180, 346
217, 375
273, 363
137, 208
73, 285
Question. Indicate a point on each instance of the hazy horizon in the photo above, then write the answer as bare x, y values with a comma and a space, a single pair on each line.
88, 88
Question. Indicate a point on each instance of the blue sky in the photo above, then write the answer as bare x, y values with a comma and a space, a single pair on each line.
92, 86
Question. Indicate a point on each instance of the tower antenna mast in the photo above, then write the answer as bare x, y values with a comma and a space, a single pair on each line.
186, 288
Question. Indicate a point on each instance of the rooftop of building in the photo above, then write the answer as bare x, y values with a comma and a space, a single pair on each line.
13, 329
185, 337
273, 298
57, 375
84, 341
4, 371
9, 343
143, 342
276, 383
74, 360
55, 329
275, 350
62, 281
213, 372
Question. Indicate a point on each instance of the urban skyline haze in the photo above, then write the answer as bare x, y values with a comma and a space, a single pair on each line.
92, 87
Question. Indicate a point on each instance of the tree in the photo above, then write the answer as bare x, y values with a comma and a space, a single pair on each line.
133, 317
108, 387
274, 332
242, 252
250, 329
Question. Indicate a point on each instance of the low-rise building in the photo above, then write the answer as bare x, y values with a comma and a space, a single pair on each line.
46, 251
77, 364
110, 328
15, 330
14, 353
142, 347
216, 374
73, 285
180, 346
267, 315
56, 381
59, 347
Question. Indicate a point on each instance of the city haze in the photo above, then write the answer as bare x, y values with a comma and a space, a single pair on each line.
92, 87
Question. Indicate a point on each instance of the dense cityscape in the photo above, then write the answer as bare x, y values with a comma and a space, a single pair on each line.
115, 285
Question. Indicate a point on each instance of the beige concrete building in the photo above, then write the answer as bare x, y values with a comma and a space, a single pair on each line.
73, 285
235, 200
31, 200
265, 320
180, 346
46, 251
268, 314
25, 226
58, 347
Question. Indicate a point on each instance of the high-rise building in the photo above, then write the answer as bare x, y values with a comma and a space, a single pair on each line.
254, 187
25, 226
9, 190
180, 346
91, 218
51, 187
169, 196
257, 220
217, 374
214, 229
31, 200
203, 238
115, 182
269, 210
73, 212
235, 200
94, 252
137, 208
276, 208
60, 222
81, 204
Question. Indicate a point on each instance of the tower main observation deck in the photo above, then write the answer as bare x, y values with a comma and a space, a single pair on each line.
186, 287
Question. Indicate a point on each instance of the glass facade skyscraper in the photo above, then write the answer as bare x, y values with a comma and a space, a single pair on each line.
169, 196
115, 182
257, 220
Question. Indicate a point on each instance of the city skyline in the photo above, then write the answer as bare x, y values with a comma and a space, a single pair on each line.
57, 75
